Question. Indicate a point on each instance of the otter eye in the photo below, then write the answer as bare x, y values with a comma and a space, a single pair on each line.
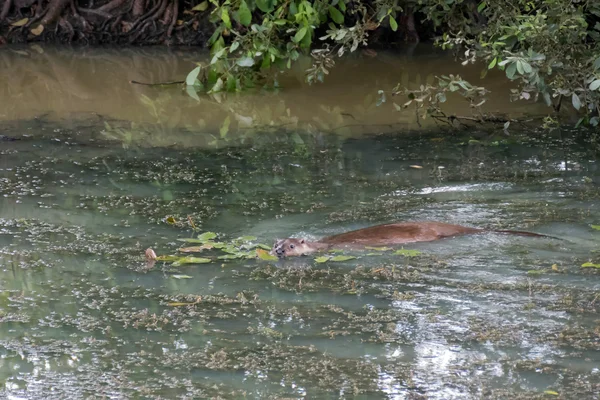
292, 246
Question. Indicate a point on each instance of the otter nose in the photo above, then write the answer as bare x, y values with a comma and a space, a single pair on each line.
279, 251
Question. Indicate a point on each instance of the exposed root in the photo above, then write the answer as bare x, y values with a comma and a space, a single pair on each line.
111, 5
174, 21
138, 8
5, 9
53, 11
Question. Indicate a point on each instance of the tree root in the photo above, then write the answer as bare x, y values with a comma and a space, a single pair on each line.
53, 11
174, 21
5, 9
109, 21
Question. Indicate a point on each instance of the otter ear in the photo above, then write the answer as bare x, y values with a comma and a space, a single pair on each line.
302, 241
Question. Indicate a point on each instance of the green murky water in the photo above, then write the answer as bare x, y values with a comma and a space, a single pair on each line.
488, 316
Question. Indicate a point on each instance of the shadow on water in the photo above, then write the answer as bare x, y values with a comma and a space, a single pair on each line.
485, 316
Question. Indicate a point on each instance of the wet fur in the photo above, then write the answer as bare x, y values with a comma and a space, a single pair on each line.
382, 235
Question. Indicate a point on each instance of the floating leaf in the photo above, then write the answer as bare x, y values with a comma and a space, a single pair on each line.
181, 276
37, 31
191, 260
168, 258
378, 248
191, 78
407, 253
247, 238
201, 7
195, 249
374, 254
264, 255
20, 22
244, 14
171, 220
206, 236
342, 258
230, 256
322, 259
263, 246
596, 227
590, 265
393, 24
551, 392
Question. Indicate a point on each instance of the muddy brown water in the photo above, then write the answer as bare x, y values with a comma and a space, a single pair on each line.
96, 171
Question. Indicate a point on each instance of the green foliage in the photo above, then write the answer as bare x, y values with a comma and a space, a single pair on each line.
549, 48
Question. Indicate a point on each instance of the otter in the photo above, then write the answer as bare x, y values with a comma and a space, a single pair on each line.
382, 235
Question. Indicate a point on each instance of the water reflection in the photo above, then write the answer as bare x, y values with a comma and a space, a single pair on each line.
82, 85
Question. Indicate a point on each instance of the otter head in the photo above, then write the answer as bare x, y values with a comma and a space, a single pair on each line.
291, 247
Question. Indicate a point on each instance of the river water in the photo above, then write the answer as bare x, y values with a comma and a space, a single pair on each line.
94, 170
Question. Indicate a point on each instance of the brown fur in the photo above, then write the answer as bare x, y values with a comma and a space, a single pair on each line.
381, 235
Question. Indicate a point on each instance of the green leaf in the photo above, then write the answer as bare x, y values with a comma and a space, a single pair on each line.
596, 227
245, 62
378, 248
510, 70
493, 63
191, 260
264, 255
225, 17
597, 64
206, 236
576, 101
520, 67
481, 6
266, 5
342, 258
336, 15
168, 258
393, 24
300, 34
201, 7
190, 80
595, 84
224, 130
407, 253
551, 392
244, 14
322, 259
191, 91
527, 67
590, 265
181, 276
